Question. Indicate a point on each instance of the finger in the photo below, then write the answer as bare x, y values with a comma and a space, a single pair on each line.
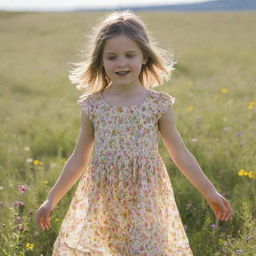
42, 226
218, 215
43, 223
45, 226
39, 222
46, 223
228, 205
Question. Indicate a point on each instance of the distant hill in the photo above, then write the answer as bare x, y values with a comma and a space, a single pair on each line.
218, 5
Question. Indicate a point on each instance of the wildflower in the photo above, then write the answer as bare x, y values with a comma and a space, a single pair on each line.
190, 83
239, 134
21, 227
46, 181
245, 173
37, 162
241, 172
22, 188
19, 203
27, 148
214, 226
239, 251
251, 174
29, 160
249, 238
251, 104
194, 139
224, 90
29, 246
189, 108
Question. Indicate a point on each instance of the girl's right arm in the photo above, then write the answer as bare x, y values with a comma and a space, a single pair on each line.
72, 169
76, 162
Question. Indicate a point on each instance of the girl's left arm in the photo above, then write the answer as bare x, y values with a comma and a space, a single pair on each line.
188, 165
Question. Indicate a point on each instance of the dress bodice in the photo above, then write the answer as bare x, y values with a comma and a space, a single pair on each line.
126, 131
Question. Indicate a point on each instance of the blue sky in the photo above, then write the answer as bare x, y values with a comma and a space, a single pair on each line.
69, 4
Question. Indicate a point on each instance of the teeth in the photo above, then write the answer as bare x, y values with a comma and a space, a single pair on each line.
122, 73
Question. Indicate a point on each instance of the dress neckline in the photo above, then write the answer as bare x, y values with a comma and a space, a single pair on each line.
129, 106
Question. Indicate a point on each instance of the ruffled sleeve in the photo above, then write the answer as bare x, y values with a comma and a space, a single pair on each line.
165, 102
85, 105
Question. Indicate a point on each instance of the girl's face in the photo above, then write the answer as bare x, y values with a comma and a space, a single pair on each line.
121, 54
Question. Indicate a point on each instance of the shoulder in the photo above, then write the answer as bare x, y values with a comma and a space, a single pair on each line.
164, 97
88, 104
87, 98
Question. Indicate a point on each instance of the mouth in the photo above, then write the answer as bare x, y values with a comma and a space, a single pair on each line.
122, 73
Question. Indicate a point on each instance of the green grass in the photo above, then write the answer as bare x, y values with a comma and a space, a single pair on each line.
40, 119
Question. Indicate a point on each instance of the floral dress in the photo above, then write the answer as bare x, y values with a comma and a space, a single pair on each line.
124, 203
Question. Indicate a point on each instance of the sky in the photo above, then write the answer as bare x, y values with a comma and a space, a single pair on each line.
10, 5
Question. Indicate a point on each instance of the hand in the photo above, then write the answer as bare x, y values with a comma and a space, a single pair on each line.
43, 218
220, 206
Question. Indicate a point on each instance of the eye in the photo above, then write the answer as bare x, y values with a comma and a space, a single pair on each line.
111, 58
130, 56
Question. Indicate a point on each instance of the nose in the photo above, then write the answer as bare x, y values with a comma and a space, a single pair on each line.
121, 62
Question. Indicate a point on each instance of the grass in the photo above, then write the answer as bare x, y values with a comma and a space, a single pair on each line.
214, 83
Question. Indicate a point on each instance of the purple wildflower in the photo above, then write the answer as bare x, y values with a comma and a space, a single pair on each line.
22, 188
19, 203
249, 238
214, 226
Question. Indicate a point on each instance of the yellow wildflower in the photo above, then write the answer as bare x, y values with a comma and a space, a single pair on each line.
241, 172
190, 83
251, 174
245, 173
37, 162
29, 246
251, 104
190, 108
46, 181
224, 90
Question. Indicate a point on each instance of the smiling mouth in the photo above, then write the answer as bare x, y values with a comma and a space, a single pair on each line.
122, 73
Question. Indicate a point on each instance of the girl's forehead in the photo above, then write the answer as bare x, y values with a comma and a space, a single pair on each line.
120, 43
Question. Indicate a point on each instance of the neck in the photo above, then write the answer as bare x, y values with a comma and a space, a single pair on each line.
125, 90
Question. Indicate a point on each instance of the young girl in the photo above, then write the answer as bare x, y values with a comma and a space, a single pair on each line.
124, 203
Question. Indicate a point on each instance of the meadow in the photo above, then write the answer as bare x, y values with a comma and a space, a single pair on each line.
215, 88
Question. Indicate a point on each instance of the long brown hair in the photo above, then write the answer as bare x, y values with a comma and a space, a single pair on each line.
90, 76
